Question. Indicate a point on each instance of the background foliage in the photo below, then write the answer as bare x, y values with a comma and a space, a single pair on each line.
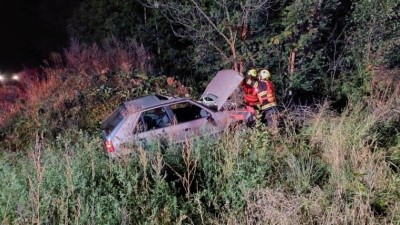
336, 42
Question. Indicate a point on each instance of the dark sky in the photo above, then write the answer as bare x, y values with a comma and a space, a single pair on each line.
30, 30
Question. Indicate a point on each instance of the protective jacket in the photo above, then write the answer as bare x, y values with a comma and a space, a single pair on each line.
250, 89
266, 95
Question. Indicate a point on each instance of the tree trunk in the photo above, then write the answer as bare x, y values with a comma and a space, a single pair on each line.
234, 56
291, 62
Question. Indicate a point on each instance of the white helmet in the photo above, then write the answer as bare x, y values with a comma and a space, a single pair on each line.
265, 74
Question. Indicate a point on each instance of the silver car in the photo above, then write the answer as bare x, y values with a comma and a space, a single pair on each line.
155, 117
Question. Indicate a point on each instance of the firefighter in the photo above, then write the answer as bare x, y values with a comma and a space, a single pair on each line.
267, 98
250, 85
252, 78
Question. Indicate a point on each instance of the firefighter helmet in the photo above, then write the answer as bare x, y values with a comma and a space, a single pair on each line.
265, 74
252, 73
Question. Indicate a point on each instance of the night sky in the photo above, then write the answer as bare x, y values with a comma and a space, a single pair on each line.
30, 30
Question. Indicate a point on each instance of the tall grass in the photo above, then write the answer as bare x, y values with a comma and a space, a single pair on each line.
330, 170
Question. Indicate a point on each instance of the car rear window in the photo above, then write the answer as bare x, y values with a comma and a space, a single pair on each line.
112, 121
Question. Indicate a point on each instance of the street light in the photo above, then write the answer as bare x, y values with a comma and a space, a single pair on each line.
2, 78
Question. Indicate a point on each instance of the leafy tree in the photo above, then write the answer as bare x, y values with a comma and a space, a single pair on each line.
304, 45
376, 31
373, 41
216, 28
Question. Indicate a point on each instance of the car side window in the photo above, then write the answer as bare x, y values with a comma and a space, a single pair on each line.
186, 111
141, 126
156, 118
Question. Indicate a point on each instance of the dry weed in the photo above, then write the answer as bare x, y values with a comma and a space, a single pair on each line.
35, 182
385, 96
273, 207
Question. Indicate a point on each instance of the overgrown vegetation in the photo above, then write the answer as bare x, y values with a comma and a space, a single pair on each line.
322, 166
330, 170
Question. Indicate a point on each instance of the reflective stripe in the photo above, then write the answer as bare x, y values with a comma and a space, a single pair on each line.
270, 92
252, 83
272, 104
263, 93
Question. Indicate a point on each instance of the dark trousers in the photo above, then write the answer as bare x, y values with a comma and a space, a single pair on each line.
269, 116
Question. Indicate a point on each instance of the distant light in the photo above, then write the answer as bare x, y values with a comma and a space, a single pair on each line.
15, 77
2, 78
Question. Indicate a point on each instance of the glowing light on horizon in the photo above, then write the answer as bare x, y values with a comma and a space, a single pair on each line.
6, 78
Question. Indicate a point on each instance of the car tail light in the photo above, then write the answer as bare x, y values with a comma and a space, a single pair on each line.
109, 146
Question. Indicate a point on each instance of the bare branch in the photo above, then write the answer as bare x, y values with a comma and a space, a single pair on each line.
210, 21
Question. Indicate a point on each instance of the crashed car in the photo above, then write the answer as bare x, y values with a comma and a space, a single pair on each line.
154, 117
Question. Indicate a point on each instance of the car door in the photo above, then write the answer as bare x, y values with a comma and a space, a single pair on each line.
152, 125
190, 120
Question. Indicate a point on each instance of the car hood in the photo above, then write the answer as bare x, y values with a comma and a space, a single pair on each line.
221, 87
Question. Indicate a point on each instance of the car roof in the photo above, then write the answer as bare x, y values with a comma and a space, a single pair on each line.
139, 104
150, 101
143, 102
